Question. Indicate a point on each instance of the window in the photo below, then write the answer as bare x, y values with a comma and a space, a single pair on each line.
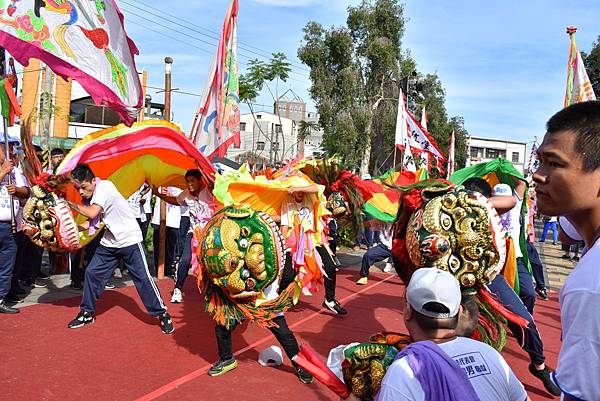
278, 128
258, 116
475, 152
492, 153
275, 146
242, 126
260, 146
515, 157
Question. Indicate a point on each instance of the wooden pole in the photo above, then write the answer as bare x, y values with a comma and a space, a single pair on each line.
395, 151
162, 236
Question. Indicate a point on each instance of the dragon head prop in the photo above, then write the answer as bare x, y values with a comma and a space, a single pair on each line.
336, 203
48, 221
451, 229
242, 252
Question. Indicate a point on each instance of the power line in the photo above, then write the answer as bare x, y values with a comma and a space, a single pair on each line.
191, 27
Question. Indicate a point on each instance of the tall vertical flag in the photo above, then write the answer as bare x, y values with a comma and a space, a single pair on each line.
451, 157
424, 156
534, 162
468, 159
217, 122
579, 87
79, 41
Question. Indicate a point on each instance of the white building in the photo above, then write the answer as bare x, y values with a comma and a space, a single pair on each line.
267, 137
483, 150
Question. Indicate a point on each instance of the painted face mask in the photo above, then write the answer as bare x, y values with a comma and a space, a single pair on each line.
337, 204
458, 231
48, 221
242, 252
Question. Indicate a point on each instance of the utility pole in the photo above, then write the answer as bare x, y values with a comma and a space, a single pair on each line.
160, 272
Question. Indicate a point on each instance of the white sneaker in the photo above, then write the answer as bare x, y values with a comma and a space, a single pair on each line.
177, 296
388, 268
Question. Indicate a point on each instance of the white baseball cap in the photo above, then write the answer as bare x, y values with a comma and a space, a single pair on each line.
433, 285
271, 356
502, 190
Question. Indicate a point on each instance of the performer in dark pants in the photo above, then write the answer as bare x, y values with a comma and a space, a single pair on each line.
122, 239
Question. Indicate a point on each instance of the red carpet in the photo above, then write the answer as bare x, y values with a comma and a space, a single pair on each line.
124, 356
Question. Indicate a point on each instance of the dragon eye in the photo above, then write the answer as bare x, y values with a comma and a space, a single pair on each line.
233, 263
245, 231
445, 221
245, 274
243, 243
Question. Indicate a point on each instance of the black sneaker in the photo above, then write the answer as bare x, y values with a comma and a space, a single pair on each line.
543, 293
567, 257
166, 323
40, 283
12, 299
575, 258
82, 319
222, 367
544, 376
303, 375
43, 276
110, 285
7, 309
335, 307
76, 285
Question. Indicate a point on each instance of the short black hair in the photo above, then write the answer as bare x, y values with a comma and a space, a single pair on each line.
478, 184
193, 173
57, 152
83, 172
582, 119
427, 323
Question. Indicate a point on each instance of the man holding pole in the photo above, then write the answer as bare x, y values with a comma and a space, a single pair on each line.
12, 185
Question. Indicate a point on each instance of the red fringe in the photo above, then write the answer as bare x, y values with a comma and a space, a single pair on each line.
310, 361
508, 315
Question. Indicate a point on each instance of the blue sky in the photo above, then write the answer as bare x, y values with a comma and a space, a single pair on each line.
503, 64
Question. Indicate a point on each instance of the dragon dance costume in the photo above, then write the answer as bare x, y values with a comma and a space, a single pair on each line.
438, 226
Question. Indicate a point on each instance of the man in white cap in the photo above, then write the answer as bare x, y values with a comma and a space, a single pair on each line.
439, 365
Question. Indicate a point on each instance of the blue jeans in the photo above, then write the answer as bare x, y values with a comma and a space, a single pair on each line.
8, 255
101, 268
550, 225
529, 337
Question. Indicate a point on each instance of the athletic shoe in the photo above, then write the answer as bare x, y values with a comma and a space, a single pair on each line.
565, 256
388, 268
336, 261
76, 285
222, 367
542, 293
43, 276
544, 376
12, 299
40, 283
110, 285
166, 324
335, 307
362, 281
303, 375
7, 309
82, 319
177, 296
575, 259
554, 243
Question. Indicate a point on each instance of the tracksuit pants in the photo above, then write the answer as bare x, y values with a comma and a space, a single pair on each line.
282, 333
101, 268
372, 256
184, 263
289, 273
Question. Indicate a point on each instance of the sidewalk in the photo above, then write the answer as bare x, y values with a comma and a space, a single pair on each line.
557, 269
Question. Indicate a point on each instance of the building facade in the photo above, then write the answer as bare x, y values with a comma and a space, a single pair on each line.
483, 150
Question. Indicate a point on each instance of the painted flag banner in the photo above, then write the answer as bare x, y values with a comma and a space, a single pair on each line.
534, 161
401, 136
579, 87
408, 159
217, 122
451, 156
78, 39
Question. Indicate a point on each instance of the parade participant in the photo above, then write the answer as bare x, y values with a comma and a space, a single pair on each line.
297, 215
122, 240
172, 221
241, 255
200, 206
568, 184
380, 252
530, 339
12, 185
440, 365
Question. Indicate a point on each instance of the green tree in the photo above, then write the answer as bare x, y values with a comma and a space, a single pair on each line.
592, 65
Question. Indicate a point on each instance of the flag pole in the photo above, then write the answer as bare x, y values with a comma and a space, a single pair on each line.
162, 235
13, 222
395, 151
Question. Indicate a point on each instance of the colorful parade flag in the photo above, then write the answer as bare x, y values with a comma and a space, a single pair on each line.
534, 161
579, 87
217, 122
8, 99
76, 42
401, 136
451, 156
